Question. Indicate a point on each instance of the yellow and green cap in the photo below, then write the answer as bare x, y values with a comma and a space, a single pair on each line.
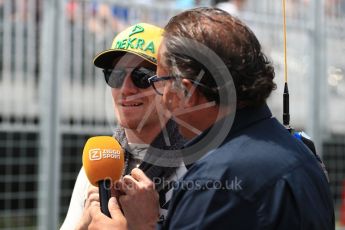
141, 39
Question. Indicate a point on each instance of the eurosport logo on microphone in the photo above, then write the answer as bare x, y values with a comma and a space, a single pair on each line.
98, 154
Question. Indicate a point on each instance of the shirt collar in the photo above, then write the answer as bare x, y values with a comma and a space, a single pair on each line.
244, 118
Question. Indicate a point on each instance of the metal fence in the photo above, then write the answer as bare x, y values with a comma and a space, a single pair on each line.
52, 98
19, 145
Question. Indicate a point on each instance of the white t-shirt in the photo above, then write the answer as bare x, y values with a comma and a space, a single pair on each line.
76, 207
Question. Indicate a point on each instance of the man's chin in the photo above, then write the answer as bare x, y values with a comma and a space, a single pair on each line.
129, 124
186, 133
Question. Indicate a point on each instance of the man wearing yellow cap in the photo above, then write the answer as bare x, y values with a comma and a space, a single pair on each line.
127, 65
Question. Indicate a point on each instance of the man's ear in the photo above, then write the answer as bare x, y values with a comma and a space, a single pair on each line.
191, 94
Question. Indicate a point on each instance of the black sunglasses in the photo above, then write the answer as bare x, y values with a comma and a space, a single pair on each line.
155, 80
139, 76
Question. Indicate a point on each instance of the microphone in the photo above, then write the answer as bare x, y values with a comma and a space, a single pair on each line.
103, 161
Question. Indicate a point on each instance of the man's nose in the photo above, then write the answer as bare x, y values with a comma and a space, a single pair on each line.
128, 86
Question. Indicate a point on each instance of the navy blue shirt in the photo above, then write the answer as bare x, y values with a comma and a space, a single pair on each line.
261, 177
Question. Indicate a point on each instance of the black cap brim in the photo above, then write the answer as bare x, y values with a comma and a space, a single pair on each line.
105, 59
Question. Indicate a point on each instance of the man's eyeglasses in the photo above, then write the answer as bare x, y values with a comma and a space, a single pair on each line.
139, 76
158, 83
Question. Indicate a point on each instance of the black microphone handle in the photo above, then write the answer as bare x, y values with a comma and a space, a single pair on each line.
104, 196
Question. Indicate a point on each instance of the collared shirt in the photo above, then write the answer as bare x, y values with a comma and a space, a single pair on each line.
259, 178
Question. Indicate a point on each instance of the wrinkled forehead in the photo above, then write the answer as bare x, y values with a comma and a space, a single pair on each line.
132, 60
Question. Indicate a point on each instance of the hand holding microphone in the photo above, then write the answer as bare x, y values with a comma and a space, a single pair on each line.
140, 200
103, 162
